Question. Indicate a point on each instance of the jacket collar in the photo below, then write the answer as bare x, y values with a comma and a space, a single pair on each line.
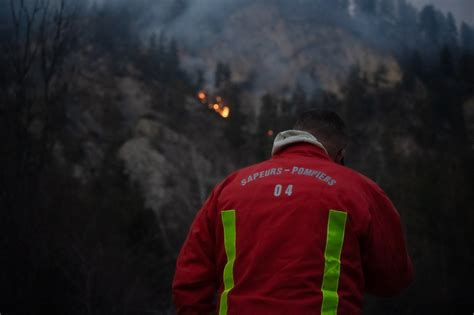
300, 142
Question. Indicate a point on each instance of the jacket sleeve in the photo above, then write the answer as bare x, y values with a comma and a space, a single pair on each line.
387, 266
194, 283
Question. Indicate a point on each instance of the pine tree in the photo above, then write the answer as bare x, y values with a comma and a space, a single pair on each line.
407, 24
171, 61
467, 38
236, 123
446, 61
429, 25
451, 31
222, 75
235, 129
268, 113
153, 58
358, 106
298, 100
267, 125
467, 58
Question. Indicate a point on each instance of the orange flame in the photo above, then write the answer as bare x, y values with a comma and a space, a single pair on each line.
225, 112
218, 106
202, 95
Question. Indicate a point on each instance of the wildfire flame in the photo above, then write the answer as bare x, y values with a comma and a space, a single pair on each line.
202, 96
225, 112
217, 103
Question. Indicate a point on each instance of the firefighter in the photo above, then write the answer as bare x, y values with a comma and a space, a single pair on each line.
297, 234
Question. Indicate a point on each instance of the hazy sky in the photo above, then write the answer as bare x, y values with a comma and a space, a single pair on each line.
462, 9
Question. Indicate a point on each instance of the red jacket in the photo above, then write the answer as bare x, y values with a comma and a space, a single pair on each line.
297, 234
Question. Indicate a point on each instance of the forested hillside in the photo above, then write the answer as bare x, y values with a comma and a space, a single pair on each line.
118, 118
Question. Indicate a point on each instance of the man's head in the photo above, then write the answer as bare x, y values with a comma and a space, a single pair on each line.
328, 128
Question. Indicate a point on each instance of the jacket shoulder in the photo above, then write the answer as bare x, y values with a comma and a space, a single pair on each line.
368, 188
363, 180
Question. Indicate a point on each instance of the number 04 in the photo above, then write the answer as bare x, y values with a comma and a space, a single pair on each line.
278, 189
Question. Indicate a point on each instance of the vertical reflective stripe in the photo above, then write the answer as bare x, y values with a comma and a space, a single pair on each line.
228, 222
332, 264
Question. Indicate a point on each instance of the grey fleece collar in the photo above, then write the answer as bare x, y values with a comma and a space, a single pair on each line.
288, 137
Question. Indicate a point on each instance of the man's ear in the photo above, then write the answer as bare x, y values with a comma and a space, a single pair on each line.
339, 159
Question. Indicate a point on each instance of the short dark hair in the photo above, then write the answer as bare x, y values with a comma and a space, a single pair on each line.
327, 126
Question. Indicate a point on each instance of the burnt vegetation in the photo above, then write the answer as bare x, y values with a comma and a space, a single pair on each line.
78, 235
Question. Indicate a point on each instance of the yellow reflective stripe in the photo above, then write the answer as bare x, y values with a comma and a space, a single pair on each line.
332, 265
228, 222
